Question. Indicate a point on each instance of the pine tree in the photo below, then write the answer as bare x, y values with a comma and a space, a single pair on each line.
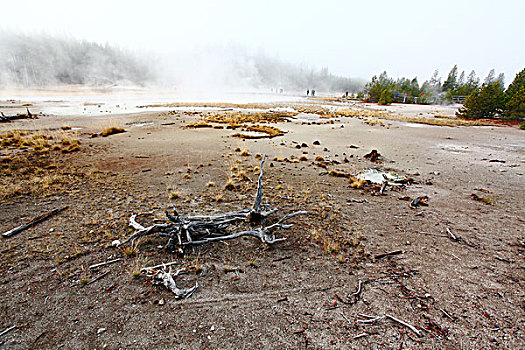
515, 98
501, 79
487, 101
491, 77
451, 82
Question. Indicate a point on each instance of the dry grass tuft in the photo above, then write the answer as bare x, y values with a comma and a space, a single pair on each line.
484, 198
196, 125
337, 173
112, 131
265, 130
355, 183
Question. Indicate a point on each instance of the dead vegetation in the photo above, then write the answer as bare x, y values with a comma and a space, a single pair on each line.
264, 130
28, 162
112, 131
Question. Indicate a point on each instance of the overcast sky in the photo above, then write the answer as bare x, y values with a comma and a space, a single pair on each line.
351, 38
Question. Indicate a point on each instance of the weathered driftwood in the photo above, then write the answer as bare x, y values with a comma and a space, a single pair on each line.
8, 118
184, 231
33, 222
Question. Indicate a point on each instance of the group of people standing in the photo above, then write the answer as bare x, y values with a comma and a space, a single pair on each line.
310, 93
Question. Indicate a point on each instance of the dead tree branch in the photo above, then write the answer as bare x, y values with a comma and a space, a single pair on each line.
184, 231
33, 222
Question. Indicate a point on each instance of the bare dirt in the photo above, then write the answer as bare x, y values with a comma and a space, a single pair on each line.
298, 294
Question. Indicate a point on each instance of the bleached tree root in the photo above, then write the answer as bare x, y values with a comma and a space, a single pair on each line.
166, 278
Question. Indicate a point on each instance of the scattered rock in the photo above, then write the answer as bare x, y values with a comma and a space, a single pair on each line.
374, 156
317, 143
100, 331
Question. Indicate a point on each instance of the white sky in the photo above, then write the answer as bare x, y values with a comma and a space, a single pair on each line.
352, 38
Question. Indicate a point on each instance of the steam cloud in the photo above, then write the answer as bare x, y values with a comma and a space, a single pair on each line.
43, 60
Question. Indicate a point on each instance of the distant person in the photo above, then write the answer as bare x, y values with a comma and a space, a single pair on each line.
313, 93
346, 94
308, 92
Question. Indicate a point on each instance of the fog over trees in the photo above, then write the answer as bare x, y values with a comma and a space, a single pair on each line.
43, 60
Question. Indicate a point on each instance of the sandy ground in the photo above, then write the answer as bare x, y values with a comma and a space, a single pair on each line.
298, 294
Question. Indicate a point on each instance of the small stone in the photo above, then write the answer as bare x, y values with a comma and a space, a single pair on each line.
115, 243
101, 330
212, 328
161, 302
317, 143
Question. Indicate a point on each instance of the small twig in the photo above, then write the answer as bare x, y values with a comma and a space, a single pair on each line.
281, 259
104, 263
98, 278
356, 294
346, 318
383, 187
381, 256
361, 335
412, 328
451, 235
372, 320
447, 314
156, 267
7, 330
432, 234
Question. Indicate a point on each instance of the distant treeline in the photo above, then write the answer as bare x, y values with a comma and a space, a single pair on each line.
42, 60
385, 90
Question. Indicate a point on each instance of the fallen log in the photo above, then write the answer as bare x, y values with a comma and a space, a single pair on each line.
33, 222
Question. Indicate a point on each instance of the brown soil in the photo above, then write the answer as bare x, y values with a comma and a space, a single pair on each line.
465, 294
